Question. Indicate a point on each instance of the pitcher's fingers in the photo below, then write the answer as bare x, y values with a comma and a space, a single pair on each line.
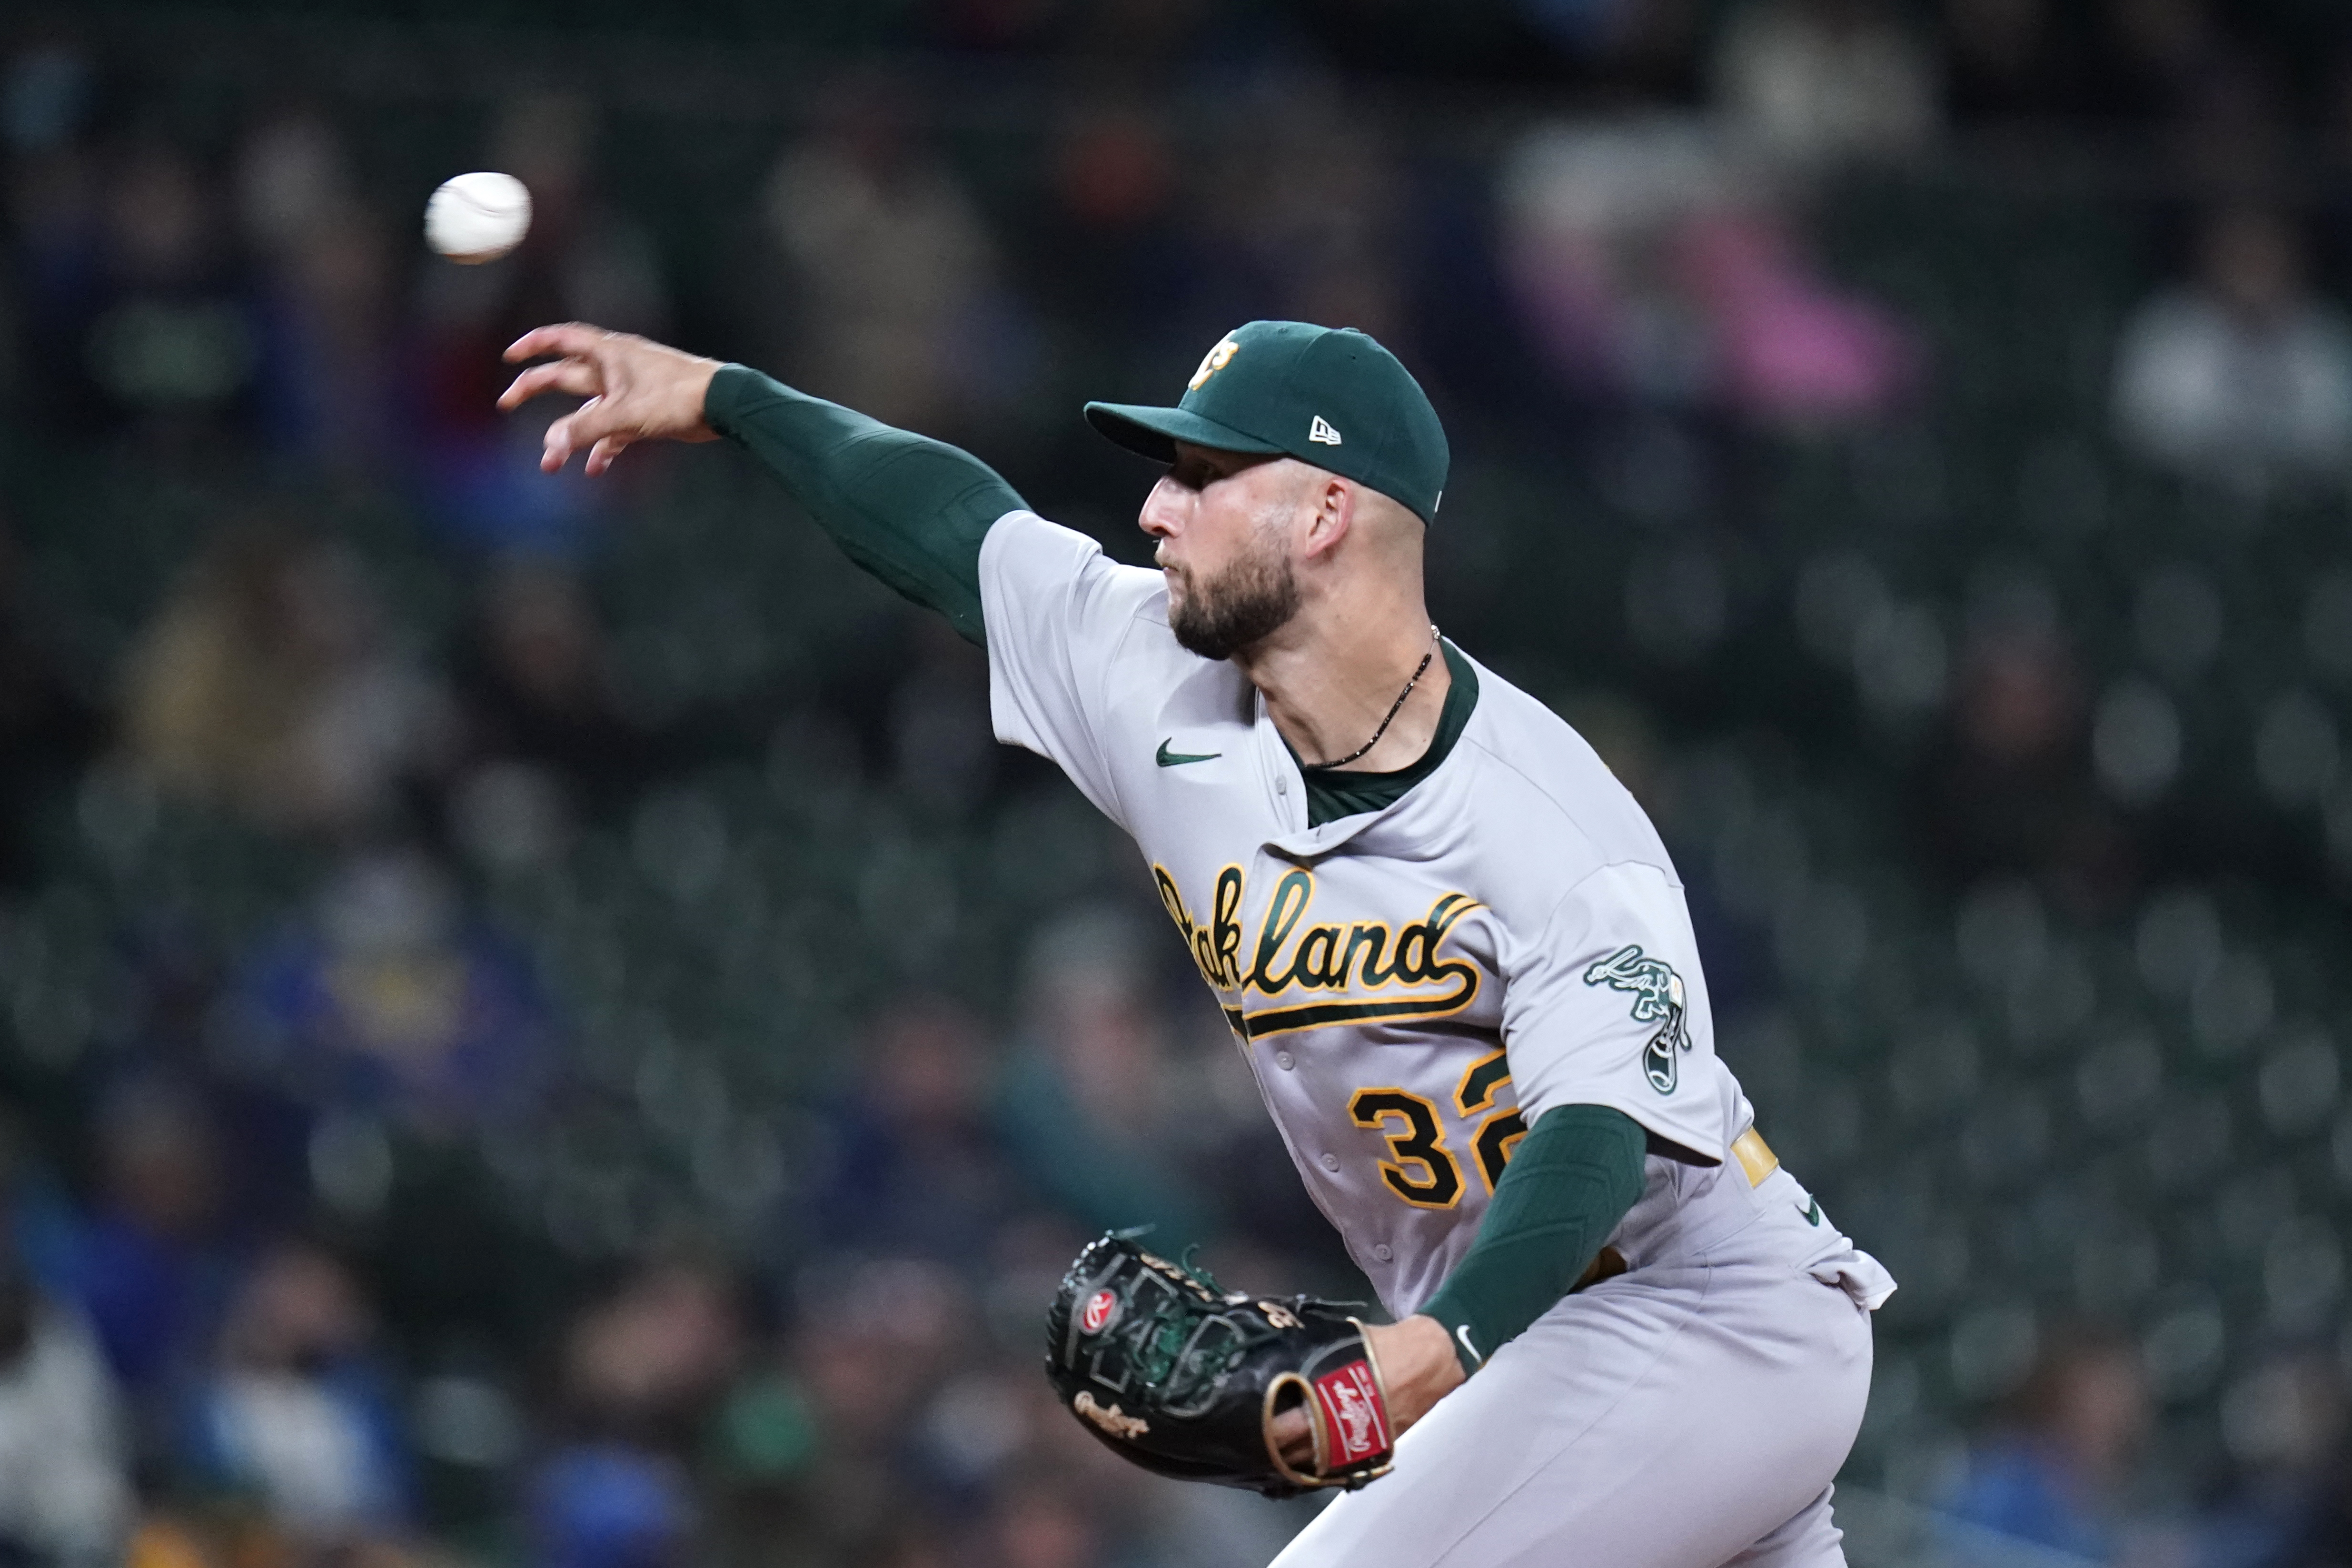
579, 377
600, 456
572, 339
568, 435
555, 448
582, 427
1294, 1435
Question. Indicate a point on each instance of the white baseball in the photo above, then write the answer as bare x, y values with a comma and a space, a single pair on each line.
477, 218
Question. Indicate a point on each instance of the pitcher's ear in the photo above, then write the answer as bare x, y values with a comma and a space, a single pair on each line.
1334, 503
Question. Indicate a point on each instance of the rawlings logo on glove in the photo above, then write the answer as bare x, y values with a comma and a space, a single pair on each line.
1350, 1402
1190, 1381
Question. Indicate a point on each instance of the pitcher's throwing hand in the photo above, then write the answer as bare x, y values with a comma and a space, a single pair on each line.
637, 390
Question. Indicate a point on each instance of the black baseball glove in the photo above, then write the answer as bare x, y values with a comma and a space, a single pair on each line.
1186, 1379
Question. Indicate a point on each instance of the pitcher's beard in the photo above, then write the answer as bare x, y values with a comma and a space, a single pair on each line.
1243, 606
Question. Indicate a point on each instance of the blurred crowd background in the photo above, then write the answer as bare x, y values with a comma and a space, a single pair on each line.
537, 1028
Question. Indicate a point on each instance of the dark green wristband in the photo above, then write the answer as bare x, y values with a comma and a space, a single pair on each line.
1571, 1179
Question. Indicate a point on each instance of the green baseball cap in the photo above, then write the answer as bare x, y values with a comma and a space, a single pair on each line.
1327, 395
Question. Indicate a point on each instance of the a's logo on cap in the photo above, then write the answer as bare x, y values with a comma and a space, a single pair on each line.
1320, 431
1212, 362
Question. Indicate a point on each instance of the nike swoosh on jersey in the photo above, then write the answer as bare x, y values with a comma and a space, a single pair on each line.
1813, 1216
1168, 759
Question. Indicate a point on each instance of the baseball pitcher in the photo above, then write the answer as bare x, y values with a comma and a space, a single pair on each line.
1450, 948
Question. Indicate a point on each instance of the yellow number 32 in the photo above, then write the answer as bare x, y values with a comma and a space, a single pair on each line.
1421, 1170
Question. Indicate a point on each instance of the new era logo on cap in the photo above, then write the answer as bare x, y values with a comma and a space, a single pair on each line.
1321, 431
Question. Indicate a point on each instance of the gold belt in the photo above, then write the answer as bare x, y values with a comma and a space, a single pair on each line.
1755, 1156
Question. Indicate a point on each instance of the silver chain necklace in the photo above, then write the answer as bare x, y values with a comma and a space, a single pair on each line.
1395, 708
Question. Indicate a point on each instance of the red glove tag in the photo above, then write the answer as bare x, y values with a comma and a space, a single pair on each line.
1352, 1413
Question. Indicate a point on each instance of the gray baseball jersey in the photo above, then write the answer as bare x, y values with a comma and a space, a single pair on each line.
1412, 987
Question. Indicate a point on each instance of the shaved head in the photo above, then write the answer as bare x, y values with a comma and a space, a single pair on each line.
1388, 523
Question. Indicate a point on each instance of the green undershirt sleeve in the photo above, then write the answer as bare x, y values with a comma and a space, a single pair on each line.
1570, 1182
909, 509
